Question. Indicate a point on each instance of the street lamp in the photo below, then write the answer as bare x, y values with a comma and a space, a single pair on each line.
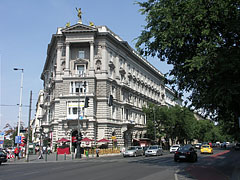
20, 104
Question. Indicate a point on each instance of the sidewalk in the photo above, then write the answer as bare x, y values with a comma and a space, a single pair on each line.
54, 158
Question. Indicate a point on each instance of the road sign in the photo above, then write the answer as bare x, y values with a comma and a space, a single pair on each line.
1, 141
1, 136
18, 139
81, 117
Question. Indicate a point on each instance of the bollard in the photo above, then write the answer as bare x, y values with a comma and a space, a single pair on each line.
46, 157
56, 156
64, 156
72, 156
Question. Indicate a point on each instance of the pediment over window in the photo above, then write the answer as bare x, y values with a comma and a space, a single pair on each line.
79, 28
80, 61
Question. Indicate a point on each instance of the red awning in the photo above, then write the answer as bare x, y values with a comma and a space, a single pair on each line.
103, 140
86, 140
63, 140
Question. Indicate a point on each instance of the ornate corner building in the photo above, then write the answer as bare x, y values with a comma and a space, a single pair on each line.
87, 61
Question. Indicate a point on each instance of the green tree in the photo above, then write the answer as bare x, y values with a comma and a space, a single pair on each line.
171, 123
201, 39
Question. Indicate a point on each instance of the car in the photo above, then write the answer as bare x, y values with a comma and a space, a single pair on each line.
3, 157
198, 145
154, 150
133, 151
237, 147
186, 153
206, 149
174, 148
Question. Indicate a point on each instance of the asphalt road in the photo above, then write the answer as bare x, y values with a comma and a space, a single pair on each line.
222, 165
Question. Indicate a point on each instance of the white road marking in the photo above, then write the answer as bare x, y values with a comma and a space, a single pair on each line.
175, 175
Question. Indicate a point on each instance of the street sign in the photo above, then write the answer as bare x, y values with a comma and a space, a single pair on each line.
2, 136
1, 141
18, 139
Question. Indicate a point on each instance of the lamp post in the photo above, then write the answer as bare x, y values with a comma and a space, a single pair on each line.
20, 104
78, 154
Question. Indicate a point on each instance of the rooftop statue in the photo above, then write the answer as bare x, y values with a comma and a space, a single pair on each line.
79, 15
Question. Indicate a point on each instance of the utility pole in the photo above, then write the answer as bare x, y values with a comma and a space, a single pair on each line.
29, 119
154, 124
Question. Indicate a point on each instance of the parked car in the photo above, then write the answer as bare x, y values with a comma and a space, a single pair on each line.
3, 157
206, 149
133, 151
154, 150
174, 148
186, 153
237, 147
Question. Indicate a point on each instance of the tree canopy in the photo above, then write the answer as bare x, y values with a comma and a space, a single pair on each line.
200, 38
179, 124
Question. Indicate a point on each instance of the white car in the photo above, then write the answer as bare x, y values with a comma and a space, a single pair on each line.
174, 148
154, 150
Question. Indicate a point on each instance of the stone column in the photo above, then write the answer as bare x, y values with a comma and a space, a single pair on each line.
67, 61
117, 67
91, 69
59, 56
104, 60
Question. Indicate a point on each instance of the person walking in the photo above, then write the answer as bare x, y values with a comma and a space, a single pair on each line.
16, 152
97, 152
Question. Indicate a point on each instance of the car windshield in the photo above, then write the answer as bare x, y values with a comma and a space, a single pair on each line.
153, 147
184, 148
175, 146
132, 148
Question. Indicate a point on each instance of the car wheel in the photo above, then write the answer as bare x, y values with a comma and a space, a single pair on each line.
175, 159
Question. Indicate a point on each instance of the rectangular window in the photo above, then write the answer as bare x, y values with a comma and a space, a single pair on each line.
75, 110
80, 69
81, 54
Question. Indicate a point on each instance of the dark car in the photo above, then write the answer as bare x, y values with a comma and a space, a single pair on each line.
3, 157
186, 153
237, 147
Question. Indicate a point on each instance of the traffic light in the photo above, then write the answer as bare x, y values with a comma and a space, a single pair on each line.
110, 100
86, 102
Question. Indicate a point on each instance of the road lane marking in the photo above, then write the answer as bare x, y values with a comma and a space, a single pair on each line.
175, 175
33, 172
221, 153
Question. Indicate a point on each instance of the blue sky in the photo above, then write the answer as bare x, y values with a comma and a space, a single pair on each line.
26, 30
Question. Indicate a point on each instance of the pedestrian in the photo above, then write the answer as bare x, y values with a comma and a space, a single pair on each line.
97, 152
49, 150
40, 154
16, 152
86, 152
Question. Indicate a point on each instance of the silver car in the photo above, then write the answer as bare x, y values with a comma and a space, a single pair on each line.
154, 150
133, 151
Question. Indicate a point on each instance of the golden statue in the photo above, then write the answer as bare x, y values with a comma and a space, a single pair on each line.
68, 24
79, 15
91, 23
